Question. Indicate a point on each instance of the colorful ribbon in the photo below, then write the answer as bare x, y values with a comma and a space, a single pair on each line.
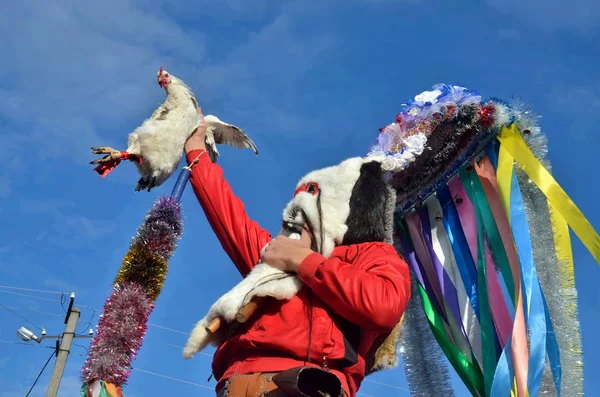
443, 250
511, 140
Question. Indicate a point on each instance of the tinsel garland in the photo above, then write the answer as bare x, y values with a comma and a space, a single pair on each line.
561, 299
121, 329
557, 282
138, 283
424, 362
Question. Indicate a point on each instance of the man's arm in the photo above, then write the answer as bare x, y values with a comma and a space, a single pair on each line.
241, 237
372, 295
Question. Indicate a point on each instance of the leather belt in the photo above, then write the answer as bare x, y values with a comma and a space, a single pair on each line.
252, 385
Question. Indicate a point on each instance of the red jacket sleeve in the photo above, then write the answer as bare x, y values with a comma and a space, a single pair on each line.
372, 291
241, 238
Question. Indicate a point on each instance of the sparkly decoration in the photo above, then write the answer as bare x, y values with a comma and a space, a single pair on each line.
138, 283
146, 269
161, 228
424, 363
121, 329
556, 277
485, 230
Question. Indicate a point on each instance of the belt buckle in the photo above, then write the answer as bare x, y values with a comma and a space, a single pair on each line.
223, 392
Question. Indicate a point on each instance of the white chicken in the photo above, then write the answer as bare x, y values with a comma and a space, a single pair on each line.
157, 145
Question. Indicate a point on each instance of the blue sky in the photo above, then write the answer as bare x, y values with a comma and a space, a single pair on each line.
310, 82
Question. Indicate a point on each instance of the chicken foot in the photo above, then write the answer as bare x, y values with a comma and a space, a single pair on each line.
113, 157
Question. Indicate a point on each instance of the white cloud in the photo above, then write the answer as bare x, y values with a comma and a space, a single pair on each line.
577, 15
67, 229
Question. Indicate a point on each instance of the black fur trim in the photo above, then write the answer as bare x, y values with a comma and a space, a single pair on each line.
367, 218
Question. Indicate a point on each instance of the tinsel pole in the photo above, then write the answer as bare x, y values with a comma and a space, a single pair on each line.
424, 363
138, 283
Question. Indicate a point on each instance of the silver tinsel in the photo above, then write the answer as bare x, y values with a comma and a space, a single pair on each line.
425, 364
560, 294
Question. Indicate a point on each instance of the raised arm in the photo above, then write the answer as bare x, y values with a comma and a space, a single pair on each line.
241, 238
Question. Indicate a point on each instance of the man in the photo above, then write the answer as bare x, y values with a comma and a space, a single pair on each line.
355, 291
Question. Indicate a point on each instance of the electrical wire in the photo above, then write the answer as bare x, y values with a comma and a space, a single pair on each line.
26, 344
181, 347
168, 329
385, 384
89, 324
21, 317
78, 345
29, 296
40, 374
35, 311
174, 379
31, 289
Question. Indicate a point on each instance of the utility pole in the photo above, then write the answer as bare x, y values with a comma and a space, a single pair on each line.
64, 349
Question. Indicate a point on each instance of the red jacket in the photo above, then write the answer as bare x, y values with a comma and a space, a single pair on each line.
361, 289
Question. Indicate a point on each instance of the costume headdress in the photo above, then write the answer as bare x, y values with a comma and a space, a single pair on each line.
485, 230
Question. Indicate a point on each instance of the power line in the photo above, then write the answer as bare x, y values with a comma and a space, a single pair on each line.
30, 296
26, 344
168, 329
385, 384
89, 323
181, 347
40, 374
32, 290
174, 379
16, 343
21, 317
35, 311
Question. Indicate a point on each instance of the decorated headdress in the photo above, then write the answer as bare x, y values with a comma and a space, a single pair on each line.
485, 230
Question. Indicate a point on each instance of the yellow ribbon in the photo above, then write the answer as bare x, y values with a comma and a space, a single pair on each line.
564, 253
511, 140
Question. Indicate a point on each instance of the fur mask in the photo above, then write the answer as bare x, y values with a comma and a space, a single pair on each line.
345, 204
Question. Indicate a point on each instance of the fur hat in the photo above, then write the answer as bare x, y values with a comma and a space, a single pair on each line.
349, 203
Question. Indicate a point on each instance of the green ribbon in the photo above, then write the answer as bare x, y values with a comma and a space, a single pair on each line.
477, 195
469, 373
474, 190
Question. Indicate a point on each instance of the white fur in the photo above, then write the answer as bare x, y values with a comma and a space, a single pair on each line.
336, 184
160, 142
255, 284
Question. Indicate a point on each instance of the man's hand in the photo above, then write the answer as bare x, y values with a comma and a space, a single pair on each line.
287, 254
197, 139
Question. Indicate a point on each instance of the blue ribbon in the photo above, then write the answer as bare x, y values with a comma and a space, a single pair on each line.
503, 377
541, 331
460, 247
